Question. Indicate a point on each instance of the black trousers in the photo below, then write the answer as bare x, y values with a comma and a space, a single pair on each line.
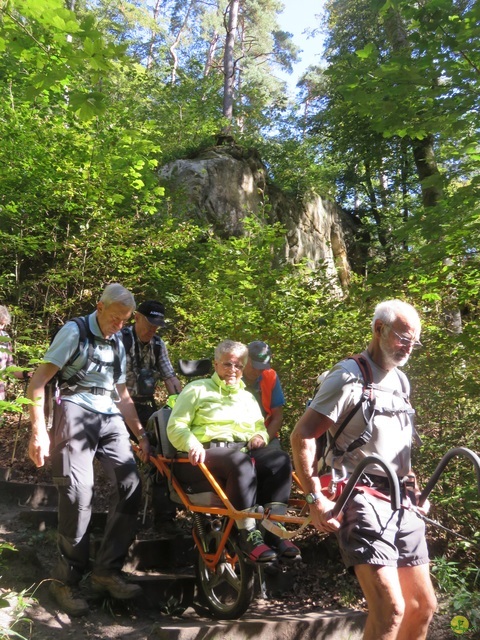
257, 477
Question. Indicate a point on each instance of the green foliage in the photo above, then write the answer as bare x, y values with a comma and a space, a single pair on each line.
48, 47
460, 586
16, 602
89, 113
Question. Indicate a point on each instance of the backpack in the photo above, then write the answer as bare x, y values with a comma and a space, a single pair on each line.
58, 386
326, 443
127, 338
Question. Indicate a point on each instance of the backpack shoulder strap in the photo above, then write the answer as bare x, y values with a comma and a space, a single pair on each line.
127, 338
157, 347
404, 382
117, 367
365, 369
86, 334
367, 396
85, 337
127, 335
366, 401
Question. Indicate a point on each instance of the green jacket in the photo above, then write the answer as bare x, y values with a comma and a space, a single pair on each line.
209, 409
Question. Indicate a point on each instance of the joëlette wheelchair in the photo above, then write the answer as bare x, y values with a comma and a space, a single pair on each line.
224, 577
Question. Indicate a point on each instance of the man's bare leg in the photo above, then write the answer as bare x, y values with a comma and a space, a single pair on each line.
420, 602
383, 592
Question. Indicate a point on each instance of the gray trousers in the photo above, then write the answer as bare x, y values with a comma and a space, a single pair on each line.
79, 436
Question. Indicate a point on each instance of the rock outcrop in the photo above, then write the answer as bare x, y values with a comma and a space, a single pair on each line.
225, 184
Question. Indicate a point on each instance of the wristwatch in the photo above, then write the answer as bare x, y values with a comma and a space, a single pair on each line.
311, 498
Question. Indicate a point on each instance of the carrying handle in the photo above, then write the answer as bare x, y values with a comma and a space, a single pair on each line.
357, 472
457, 451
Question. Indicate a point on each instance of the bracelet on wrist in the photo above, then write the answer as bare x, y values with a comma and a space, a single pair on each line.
142, 436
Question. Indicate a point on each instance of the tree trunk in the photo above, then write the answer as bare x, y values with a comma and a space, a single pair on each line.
423, 151
152, 41
173, 53
229, 62
377, 216
424, 156
211, 53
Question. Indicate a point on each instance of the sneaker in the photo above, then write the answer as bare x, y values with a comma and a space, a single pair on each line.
115, 585
68, 599
253, 546
284, 548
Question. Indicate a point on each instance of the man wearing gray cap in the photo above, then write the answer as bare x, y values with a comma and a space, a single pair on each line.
263, 382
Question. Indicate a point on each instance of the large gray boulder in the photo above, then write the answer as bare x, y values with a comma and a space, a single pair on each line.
225, 184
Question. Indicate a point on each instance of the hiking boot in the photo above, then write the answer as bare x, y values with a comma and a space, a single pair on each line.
68, 599
252, 545
284, 548
115, 585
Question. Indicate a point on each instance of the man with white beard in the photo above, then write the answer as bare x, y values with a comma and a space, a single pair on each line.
386, 549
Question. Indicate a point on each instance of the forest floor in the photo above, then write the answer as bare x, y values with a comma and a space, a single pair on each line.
319, 583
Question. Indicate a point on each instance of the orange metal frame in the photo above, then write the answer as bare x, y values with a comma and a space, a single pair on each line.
164, 464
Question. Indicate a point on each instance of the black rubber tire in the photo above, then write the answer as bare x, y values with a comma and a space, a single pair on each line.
227, 591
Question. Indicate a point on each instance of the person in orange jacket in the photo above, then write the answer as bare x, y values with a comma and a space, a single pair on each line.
263, 382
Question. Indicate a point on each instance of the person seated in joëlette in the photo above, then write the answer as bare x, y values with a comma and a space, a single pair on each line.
217, 422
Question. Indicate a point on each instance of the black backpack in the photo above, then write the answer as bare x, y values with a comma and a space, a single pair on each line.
127, 338
58, 385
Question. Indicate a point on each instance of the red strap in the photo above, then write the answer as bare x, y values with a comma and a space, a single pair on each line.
326, 479
257, 552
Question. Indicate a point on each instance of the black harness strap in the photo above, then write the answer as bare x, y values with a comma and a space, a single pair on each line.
367, 398
87, 337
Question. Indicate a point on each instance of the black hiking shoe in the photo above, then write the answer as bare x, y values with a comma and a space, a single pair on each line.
252, 545
284, 548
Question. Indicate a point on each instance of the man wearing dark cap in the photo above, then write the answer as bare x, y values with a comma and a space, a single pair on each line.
147, 359
263, 382
147, 363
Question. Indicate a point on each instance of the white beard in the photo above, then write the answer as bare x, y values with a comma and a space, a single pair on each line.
393, 357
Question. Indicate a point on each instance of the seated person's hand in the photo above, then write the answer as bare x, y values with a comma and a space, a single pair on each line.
196, 454
257, 442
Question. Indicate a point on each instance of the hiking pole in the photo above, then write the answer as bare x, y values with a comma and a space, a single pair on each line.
441, 526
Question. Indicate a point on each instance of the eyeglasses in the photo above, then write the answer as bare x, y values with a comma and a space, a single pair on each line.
233, 365
406, 342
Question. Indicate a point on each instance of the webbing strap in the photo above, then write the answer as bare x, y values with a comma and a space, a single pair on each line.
368, 396
281, 532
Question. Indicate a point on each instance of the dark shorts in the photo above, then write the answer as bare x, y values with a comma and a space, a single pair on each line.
371, 533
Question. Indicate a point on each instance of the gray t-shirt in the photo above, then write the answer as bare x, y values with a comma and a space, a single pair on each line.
64, 346
393, 420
